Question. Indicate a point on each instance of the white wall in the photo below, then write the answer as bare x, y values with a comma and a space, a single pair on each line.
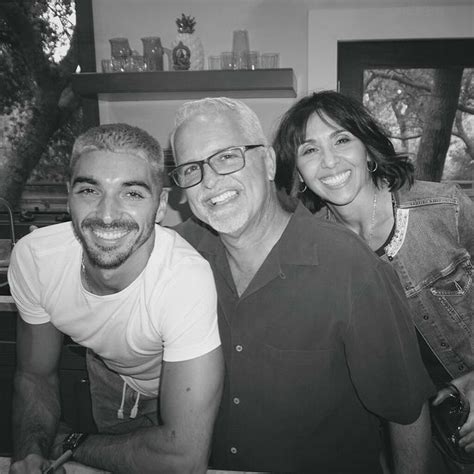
328, 26
304, 32
273, 26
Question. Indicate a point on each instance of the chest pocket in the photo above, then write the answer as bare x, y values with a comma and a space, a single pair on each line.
455, 293
458, 283
299, 385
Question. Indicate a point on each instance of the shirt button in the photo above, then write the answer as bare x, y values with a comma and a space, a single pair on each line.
425, 317
390, 259
233, 450
461, 366
236, 400
443, 344
239, 348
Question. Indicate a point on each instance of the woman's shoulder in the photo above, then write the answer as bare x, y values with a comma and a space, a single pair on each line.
421, 190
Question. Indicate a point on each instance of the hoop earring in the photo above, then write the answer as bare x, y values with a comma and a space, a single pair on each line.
301, 190
372, 169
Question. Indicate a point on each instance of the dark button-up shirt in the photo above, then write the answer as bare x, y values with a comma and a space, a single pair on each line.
318, 347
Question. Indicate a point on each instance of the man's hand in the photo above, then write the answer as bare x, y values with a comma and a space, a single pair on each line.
465, 384
33, 464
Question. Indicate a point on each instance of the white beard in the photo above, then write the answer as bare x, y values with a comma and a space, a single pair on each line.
227, 222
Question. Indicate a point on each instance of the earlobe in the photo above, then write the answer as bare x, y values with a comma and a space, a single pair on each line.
161, 211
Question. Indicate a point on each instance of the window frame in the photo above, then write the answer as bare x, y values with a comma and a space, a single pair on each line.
353, 57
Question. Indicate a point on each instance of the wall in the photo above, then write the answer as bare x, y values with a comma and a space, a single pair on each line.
304, 32
327, 26
273, 26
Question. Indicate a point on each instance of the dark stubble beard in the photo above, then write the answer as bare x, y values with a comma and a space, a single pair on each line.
98, 255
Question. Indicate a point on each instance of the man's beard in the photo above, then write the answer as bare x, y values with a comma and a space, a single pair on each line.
106, 257
229, 225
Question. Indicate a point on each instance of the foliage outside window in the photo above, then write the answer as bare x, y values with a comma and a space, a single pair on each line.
40, 113
422, 91
399, 98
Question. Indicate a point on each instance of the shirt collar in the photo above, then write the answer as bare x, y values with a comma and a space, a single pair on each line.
297, 245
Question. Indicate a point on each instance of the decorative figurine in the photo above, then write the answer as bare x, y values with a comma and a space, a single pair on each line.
185, 36
181, 57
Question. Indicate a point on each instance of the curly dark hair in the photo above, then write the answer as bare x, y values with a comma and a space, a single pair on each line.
350, 114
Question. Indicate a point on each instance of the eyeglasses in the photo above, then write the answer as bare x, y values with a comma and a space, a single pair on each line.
223, 162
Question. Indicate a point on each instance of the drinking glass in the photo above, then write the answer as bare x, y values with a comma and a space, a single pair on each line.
228, 60
240, 48
270, 60
214, 62
252, 60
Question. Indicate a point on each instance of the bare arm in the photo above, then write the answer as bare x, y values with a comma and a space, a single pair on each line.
190, 394
36, 406
411, 444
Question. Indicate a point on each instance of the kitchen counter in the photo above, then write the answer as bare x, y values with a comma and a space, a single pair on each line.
7, 303
75, 468
70, 467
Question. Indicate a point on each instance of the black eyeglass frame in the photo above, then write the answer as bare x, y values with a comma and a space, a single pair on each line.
200, 163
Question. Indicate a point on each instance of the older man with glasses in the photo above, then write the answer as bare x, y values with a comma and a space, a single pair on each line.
317, 338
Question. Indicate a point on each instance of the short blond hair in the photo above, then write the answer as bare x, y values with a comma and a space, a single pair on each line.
120, 138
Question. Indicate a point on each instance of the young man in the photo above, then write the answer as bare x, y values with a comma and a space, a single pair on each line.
138, 297
317, 337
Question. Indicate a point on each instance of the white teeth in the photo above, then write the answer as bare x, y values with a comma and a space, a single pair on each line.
109, 235
337, 179
222, 197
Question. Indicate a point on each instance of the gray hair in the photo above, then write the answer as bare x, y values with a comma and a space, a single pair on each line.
245, 116
120, 138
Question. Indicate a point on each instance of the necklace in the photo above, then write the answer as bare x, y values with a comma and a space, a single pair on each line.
372, 222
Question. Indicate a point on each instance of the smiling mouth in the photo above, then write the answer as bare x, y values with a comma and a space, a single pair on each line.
110, 235
337, 179
223, 198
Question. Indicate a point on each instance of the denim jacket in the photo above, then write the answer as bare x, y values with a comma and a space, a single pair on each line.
432, 251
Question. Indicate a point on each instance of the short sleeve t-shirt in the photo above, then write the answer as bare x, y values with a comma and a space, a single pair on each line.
167, 313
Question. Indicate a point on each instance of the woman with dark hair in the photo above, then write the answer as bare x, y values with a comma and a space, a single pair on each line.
334, 156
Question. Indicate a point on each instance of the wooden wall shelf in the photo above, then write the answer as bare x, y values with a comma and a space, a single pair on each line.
262, 83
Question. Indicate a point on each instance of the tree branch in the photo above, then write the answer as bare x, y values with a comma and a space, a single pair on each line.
394, 76
409, 137
403, 80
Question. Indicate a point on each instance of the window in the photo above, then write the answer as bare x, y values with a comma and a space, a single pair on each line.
421, 91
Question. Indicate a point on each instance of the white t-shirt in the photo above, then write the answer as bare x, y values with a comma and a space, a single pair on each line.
168, 313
